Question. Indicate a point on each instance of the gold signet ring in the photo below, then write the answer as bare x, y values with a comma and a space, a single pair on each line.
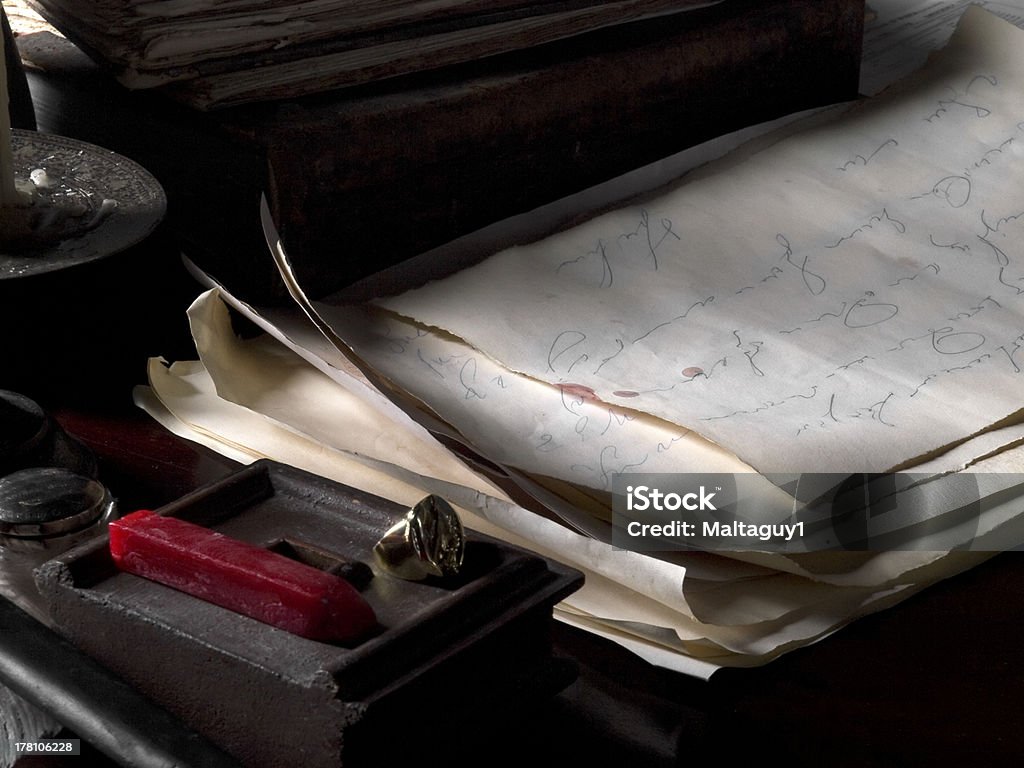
427, 541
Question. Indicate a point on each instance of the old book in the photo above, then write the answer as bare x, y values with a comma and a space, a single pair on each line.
218, 54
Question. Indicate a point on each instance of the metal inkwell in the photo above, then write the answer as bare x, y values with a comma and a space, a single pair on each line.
77, 203
49, 497
45, 511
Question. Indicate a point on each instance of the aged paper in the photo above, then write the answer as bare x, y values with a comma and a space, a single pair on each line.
848, 299
866, 569
265, 375
695, 615
551, 430
740, 621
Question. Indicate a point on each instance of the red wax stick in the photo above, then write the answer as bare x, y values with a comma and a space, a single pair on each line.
242, 577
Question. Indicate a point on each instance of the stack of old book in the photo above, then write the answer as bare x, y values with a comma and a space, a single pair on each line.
216, 54
459, 146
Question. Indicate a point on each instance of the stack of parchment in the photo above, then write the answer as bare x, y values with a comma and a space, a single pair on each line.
847, 297
221, 53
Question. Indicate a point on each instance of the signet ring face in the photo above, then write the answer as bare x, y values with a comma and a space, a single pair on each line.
428, 541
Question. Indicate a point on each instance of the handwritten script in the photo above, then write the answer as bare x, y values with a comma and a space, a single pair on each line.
850, 298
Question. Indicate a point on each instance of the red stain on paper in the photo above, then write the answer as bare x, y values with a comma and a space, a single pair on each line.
581, 391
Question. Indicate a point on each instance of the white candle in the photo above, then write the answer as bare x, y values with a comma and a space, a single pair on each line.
8, 192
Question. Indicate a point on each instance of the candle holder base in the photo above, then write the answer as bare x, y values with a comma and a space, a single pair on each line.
117, 203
